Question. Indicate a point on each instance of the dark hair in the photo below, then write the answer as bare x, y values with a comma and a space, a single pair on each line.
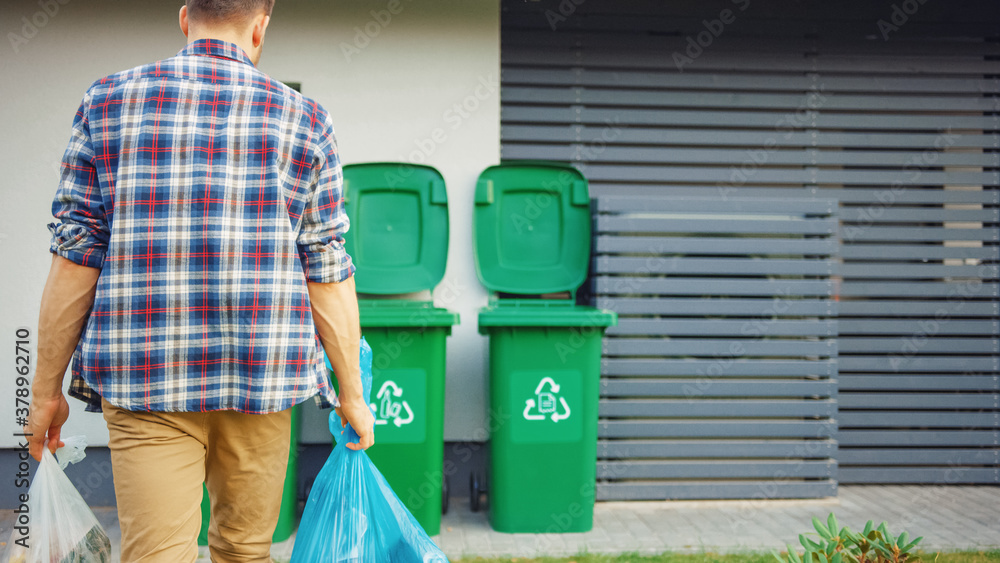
227, 11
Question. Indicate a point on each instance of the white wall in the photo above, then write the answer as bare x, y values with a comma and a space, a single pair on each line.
420, 85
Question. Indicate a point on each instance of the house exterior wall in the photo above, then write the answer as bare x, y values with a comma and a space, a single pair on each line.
404, 81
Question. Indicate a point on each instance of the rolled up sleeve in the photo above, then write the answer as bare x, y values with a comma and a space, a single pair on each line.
324, 220
81, 232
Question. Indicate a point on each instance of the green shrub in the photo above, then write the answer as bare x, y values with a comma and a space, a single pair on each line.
841, 545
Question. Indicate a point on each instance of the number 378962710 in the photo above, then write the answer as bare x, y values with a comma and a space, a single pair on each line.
22, 366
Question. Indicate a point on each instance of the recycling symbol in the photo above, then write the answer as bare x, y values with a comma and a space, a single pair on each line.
389, 407
546, 403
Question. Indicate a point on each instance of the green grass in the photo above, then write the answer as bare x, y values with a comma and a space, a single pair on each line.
991, 556
926, 557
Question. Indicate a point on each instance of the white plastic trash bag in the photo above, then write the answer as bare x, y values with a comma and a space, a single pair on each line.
61, 528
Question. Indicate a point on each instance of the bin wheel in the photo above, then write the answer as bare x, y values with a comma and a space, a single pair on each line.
476, 489
445, 495
308, 489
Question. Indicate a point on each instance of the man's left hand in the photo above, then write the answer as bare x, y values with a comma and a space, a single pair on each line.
45, 421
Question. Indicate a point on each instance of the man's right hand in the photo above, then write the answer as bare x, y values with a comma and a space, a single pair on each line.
362, 421
335, 312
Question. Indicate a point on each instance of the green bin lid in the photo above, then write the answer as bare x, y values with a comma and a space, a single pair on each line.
399, 226
404, 314
542, 313
532, 228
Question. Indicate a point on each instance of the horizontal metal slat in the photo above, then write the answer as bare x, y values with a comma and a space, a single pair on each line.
719, 367
745, 81
869, 215
917, 438
907, 53
710, 286
927, 345
691, 490
527, 95
717, 347
929, 234
917, 475
753, 140
714, 245
730, 327
924, 328
898, 419
773, 225
909, 195
572, 149
903, 49
956, 290
881, 196
746, 203
696, 389
722, 429
716, 408
903, 361
732, 175
937, 28
713, 266
917, 251
709, 306
924, 271
796, 62
798, 449
716, 469
955, 307
922, 382
926, 457
848, 400
742, 119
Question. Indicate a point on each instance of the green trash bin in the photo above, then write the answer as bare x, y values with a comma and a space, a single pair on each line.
532, 240
399, 243
289, 496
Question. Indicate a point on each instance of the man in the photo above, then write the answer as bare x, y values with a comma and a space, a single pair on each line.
197, 254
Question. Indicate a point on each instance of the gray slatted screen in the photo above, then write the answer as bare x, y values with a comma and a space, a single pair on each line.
721, 373
902, 128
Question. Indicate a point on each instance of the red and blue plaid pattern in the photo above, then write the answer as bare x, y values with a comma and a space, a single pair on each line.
208, 194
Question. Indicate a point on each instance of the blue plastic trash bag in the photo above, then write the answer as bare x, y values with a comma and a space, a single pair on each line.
352, 515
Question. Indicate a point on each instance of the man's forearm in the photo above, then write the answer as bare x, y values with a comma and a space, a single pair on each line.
335, 312
66, 302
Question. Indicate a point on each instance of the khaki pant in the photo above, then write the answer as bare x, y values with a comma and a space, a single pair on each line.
159, 461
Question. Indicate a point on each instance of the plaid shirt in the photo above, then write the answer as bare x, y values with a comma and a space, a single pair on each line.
208, 194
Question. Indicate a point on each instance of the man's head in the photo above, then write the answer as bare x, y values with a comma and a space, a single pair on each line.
238, 21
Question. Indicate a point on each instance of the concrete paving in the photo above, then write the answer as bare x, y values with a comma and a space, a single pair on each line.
949, 518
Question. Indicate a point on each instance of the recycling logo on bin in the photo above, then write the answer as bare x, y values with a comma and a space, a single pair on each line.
390, 407
548, 405
400, 406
